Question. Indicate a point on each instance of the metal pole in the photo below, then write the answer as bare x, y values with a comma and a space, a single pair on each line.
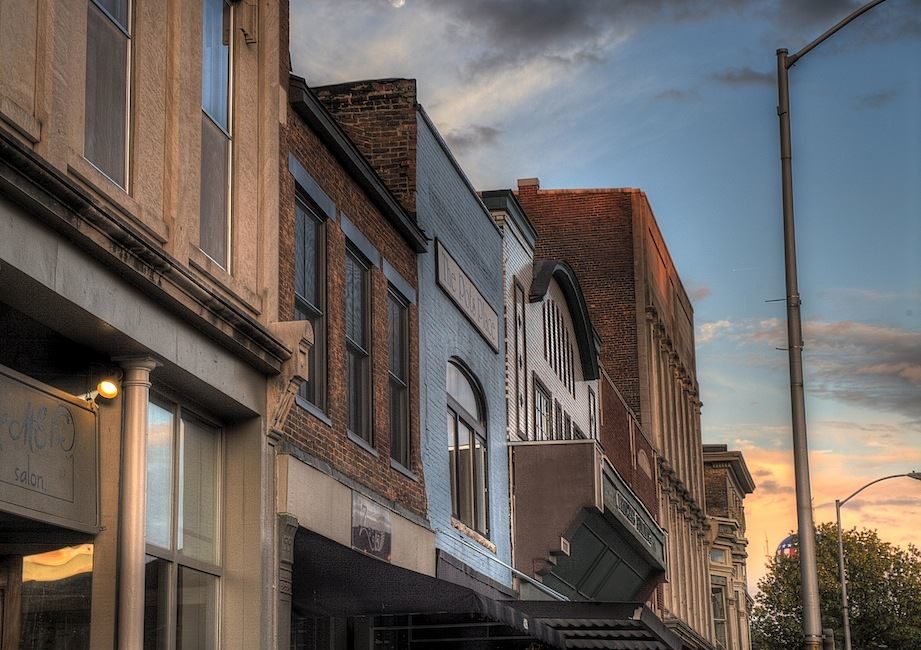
844, 614
812, 625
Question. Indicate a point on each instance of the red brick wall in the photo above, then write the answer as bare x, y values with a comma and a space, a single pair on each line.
716, 481
622, 440
592, 230
331, 444
380, 117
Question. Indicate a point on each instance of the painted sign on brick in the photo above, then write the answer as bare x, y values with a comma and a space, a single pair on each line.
467, 297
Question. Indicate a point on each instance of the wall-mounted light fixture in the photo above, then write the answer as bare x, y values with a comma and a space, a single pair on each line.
108, 387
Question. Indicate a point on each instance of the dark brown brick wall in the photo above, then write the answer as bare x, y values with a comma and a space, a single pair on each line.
716, 482
380, 117
302, 429
592, 230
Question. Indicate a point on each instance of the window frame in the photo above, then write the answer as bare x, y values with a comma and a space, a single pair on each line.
364, 349
173, 558
318, 381
592, 414
229, 144
400, 384
542, 396
477, 427
520, 359
126, 30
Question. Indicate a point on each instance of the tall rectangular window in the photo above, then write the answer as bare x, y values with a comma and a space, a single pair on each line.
214, 229
310, 295
108, 53
718, 599
183, 527
358, 346
398, 350
543, 413
592, 414
518, 357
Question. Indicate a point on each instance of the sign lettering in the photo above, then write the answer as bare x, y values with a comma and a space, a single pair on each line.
467, 297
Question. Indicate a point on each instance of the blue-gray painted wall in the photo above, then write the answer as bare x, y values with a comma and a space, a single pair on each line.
449, 211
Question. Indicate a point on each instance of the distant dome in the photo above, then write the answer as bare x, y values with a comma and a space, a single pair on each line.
788, 546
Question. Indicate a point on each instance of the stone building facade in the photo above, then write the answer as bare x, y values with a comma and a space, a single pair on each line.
643, 315
728, 481
133, 206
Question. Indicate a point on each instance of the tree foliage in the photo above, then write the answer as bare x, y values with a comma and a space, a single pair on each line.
884, 594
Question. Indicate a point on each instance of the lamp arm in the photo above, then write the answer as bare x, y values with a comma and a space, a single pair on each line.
885, 478
841, 24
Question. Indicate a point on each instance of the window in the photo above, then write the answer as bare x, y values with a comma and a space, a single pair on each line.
518, 357
592, 414
567, 426
108, 54
557, 421
718, 556
467, 451
718, 597
398, 350
183, 530
357, 324
214, 229
310, 296
543, 415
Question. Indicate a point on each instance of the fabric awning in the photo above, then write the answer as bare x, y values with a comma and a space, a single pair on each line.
332, 580
590, 624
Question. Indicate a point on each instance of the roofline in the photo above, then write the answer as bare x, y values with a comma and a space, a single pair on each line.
312, 111
586, 336
507, 201
460, 172
736, 462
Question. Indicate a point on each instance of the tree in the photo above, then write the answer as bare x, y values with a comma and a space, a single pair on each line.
884, 594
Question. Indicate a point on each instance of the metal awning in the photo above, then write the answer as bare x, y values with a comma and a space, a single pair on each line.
590, 624
331, 580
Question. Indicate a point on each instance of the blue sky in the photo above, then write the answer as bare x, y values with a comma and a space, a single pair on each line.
678, 97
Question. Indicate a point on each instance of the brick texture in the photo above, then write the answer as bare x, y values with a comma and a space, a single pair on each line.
331, 444
716, 481
570, 224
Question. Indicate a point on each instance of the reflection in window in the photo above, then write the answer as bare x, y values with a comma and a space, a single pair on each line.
214, 231
183, 529
105, 128
467, 451
310, 296
398, 351
56, 599
357, 324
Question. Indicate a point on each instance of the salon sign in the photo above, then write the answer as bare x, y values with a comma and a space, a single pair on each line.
467, 297
48, 454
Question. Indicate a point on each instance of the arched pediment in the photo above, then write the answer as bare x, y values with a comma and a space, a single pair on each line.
586, 337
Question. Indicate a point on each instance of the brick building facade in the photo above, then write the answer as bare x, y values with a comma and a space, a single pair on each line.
643, 315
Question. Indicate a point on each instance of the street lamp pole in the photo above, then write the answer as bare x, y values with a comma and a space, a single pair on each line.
812, 625
845, 617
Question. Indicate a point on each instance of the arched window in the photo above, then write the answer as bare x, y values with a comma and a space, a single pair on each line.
467, 450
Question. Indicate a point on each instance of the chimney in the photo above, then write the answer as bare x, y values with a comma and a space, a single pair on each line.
528, 185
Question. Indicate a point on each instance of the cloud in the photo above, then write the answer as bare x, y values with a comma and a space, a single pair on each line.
771, 486
880, 99
899, 19
475, 136
744, 76
713, 330
677, 95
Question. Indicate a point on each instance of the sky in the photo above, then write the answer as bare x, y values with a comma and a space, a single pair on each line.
678, 98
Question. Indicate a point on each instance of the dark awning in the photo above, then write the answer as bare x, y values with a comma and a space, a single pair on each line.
626, 626
332, 580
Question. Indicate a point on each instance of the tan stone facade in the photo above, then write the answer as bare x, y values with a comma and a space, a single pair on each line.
728, 481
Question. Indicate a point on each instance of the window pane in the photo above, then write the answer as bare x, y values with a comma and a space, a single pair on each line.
56, 597
399, 424
215, 150
307, 256
215, 61
358, 396
460, 388
396, 337
156, 597
118, 9
159, 475
199, 500
355, 300
105, 125
196, 611
452, 458
479, 485
464, 475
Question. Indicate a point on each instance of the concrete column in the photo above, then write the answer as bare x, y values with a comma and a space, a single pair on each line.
287, 528
131, 545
